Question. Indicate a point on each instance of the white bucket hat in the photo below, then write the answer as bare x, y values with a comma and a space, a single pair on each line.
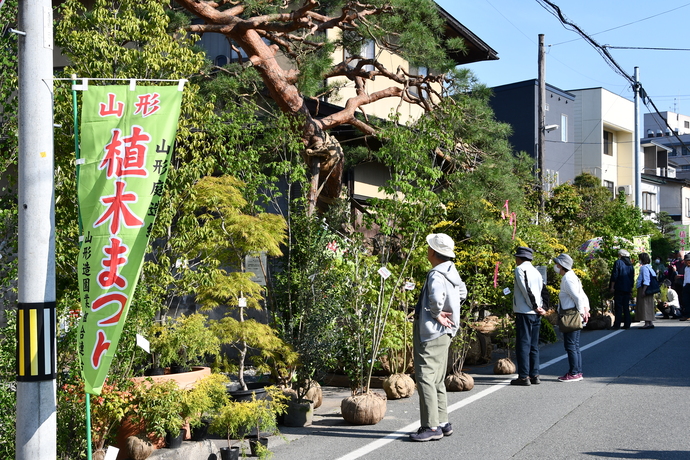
441, 243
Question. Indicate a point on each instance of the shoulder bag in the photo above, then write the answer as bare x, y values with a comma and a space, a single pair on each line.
653, 287
569, 320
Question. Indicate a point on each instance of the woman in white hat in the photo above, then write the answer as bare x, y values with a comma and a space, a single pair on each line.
571, 296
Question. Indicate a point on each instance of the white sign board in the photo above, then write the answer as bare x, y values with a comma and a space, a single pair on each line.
256, 265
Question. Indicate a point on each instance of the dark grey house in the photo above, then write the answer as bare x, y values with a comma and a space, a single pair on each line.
516, 104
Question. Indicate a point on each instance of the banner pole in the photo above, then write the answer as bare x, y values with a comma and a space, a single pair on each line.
88, 427
75, 111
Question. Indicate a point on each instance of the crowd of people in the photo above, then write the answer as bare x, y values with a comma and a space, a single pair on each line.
437, 316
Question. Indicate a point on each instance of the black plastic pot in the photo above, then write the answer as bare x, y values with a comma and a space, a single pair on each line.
229, 453
199, 433
154, 371
174, 440
253, 441
253, 389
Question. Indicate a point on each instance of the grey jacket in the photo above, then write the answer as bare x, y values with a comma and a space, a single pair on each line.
444, 290
521, 301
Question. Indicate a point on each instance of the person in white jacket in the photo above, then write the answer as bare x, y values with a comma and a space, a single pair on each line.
436, 321
571, 296
528, 310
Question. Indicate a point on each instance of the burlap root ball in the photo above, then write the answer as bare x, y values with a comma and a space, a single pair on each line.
363, 409
504, 366
398, 386
315, 394
138, 448
459, 382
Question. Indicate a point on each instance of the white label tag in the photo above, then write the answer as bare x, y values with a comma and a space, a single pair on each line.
241, 302
409, 286
506, 291
143, 343
384, 272
111, 453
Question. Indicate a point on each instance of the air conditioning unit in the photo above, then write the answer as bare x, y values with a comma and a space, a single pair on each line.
626, 189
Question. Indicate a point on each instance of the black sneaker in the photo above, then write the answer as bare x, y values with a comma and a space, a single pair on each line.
426, 434
535, 380
522, 381
447, 430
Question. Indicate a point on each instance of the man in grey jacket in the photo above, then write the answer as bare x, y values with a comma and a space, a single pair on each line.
437, 317
527, 306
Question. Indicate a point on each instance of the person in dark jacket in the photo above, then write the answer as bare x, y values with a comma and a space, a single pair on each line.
622, 280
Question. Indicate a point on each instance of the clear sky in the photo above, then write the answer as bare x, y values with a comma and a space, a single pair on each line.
512, 27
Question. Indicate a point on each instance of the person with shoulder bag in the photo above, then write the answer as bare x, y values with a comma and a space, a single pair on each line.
644, 308
573, 312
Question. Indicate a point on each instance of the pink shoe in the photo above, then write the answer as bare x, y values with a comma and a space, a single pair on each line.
570, 378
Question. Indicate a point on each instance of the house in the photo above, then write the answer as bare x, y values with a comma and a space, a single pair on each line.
517, 105
604, 135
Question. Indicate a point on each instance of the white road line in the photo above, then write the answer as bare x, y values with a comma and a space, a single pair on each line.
404, 431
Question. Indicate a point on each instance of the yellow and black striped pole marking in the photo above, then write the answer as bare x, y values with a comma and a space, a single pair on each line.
36, 342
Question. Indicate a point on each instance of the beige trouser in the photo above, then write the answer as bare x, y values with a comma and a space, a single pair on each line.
430, 363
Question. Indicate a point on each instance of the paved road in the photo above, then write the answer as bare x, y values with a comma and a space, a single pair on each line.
633, 403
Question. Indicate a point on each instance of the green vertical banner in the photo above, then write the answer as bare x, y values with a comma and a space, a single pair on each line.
127, 135
682, 236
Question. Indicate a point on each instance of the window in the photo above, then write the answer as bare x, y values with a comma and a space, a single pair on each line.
422, 72
564, 127
608, 143
368, 51
609, 185
685, 167
648, 201
686, 124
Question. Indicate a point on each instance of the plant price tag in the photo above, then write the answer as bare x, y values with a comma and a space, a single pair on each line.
111, 453
506, 291
241, 302
143, 343
409, 286
384, 272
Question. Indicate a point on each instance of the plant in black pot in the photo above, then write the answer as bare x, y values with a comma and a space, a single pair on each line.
203, 402
183, 341
158, 406
251, 420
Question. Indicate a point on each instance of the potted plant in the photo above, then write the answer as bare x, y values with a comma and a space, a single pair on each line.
395, 342
237, 419
179, 342
201, 403
457, 380
159, 407
506, 339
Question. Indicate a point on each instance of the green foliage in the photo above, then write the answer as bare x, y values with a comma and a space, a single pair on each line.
183, 340
8, 99
547, 333
238, 418
206, 399
159, 406
8, 388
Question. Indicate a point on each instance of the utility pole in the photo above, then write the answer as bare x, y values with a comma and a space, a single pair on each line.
636, 141
36, 403
541, 115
